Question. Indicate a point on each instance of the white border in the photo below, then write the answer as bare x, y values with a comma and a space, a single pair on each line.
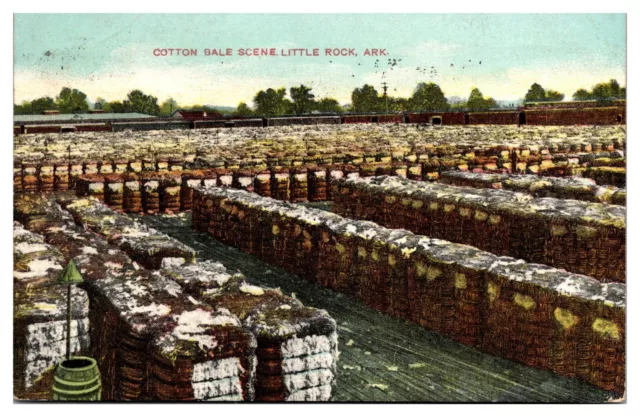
410, 6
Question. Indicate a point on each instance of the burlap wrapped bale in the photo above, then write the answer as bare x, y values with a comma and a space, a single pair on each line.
90, 186
91, 167
519, 311
210, 177
589, 331
176, 163
393, 286
76, 169
150, 188
280, 180
203, 355
61, 176
243, 179
131, 194
170, 191
262, 183
46, 178
162, 164
120, 166
224, 177
317, 183
297, 346
190, 179
17, 176
106, 167
114, 191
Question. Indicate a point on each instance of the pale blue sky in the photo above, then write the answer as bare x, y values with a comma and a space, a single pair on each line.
109, 54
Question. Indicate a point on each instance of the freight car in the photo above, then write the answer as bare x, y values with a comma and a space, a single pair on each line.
526, 115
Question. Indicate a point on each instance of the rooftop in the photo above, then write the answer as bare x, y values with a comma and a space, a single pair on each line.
84, 117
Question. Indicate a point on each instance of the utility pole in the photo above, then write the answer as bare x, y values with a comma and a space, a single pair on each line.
384, 94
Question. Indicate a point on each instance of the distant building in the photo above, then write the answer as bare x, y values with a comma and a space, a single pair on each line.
197, 115
55, 122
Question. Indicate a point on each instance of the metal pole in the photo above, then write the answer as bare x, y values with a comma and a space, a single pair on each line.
68, 322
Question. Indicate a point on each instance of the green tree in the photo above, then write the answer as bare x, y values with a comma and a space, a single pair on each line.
243, 110
100, 104
168, 107
22, 108
302, 99
477, 101
365, 99
397, 104
72, 101
553, 95
271, 102
615, 88
39, 105
535, 93
114, 107
328, 105
139, 102
428, 96
581, 94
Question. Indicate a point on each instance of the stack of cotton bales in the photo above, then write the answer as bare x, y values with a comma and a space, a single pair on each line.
582, 237
143, 244
457, 290
40, 315
151, 341
297, 345
568, 187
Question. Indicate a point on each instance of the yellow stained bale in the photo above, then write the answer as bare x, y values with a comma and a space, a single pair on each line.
460, 281
586, 232
524, 301
416, 204
493, 290
433, 273
565, 318
481, 215
406, 252
558, 230
606, 328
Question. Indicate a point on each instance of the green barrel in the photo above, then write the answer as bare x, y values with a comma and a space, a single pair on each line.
77, 379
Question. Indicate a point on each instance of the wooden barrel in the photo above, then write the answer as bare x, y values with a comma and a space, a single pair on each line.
77, 379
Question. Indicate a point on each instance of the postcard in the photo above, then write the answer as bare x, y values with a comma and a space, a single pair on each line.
354, 208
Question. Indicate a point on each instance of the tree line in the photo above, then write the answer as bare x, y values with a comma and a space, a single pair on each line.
274, 101
71, 101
